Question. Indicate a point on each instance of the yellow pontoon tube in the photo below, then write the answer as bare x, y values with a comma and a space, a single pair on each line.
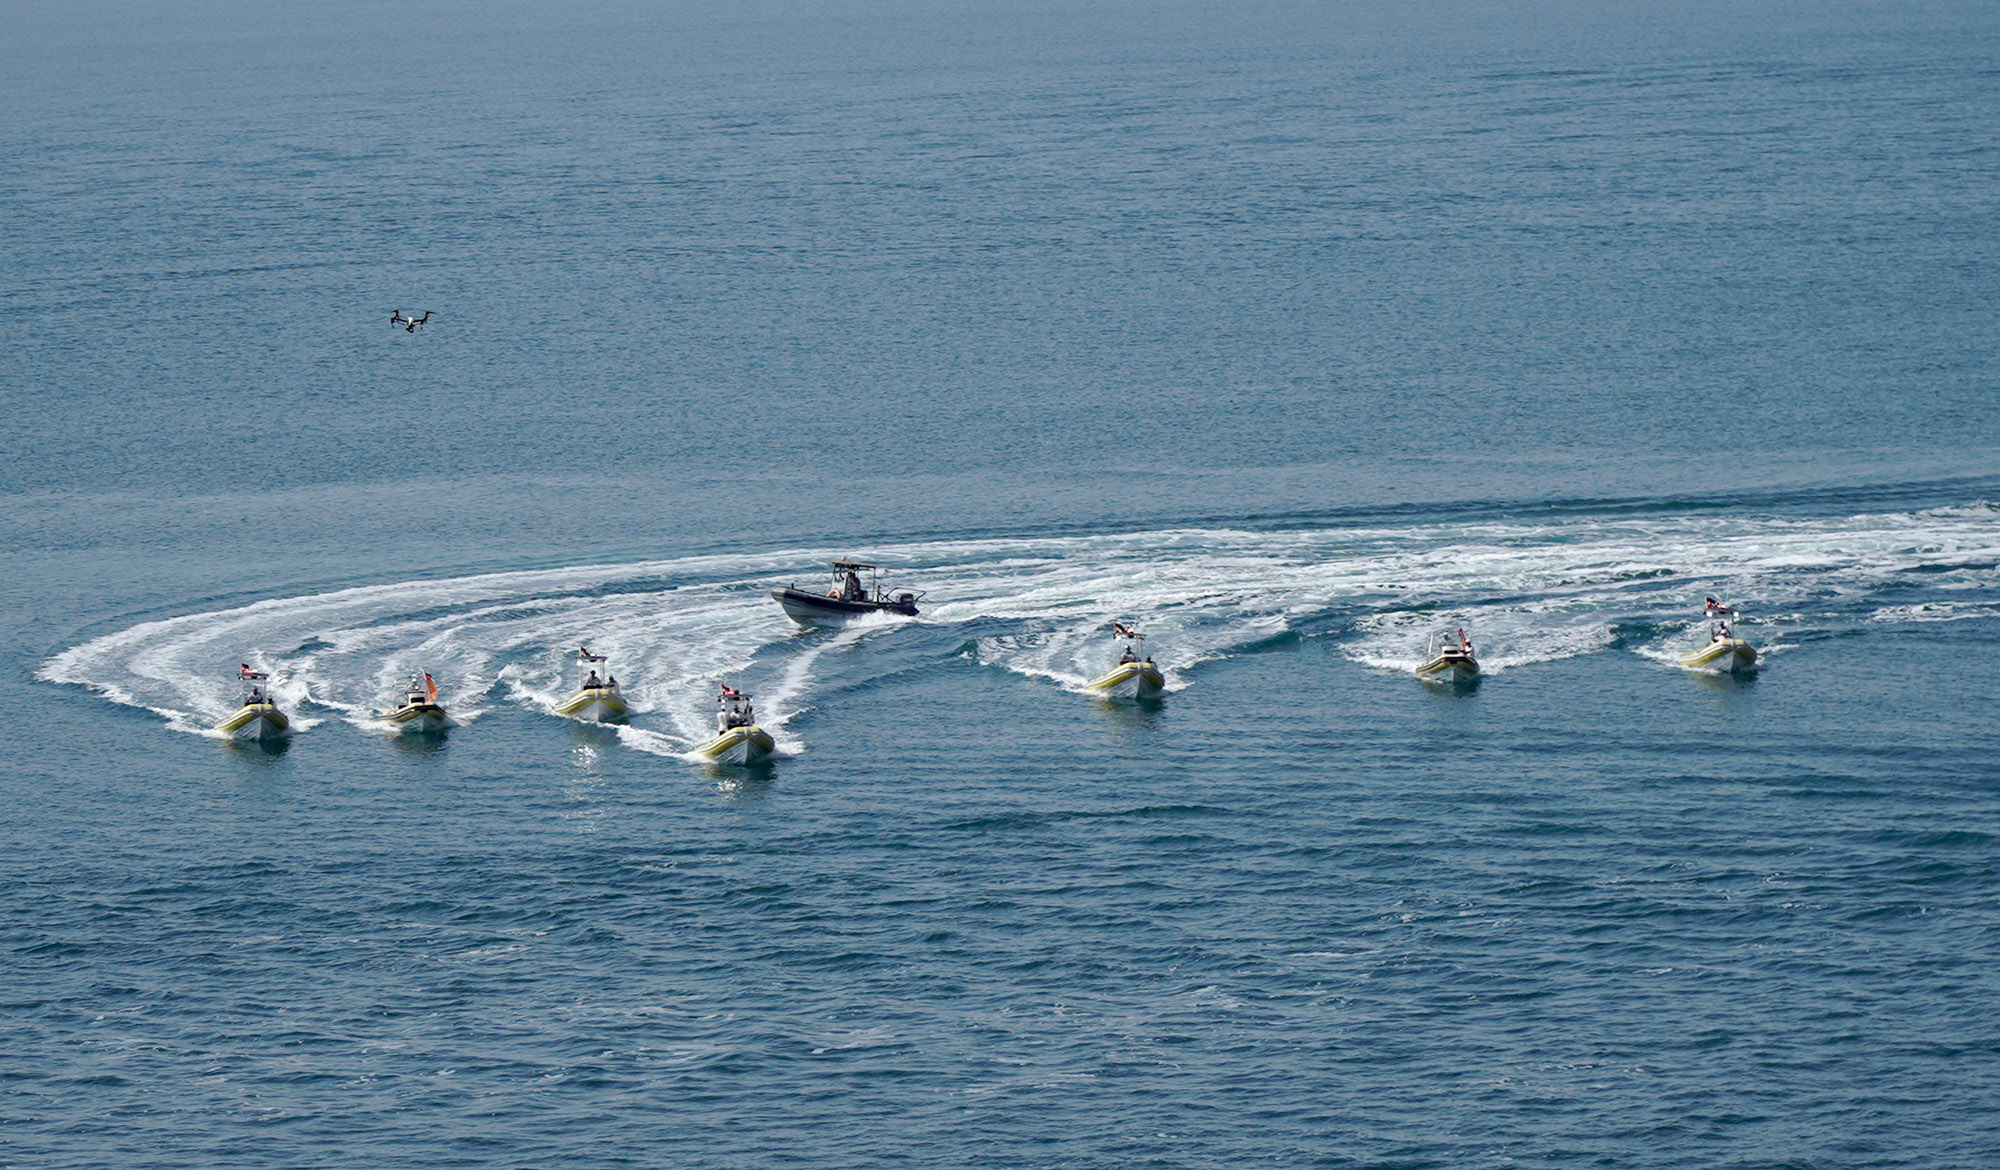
738, 745
1129, 680
600, 703
1730, 654
256, 721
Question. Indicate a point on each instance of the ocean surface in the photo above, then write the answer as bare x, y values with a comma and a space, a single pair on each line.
1290, 332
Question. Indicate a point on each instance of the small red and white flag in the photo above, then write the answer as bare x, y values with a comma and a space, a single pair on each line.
1124, 631
583, 654
729, 692
244, 670
1716, 607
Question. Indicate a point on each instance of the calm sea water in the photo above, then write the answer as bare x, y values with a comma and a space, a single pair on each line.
1290, 333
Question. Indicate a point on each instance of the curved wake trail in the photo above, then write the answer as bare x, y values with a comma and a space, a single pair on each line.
1526, 591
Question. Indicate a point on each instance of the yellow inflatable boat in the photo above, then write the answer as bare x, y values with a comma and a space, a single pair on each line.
1725, 653
256, 716
1449, 660
597, 698
738, 739
420, 712
738, 745
1135, 676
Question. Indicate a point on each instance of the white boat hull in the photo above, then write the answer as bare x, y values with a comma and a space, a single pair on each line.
595, 705
1129, 680
1452, 671
256, 721
423, 719
1724, 656
738, 745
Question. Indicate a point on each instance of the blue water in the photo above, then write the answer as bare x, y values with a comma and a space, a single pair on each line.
1291, 334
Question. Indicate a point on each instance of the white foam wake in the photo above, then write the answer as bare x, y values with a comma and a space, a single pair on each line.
1528, 591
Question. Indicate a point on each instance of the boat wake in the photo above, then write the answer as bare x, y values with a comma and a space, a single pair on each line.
1526, 592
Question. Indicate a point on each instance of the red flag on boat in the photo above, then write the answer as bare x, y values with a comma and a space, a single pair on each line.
430, 686
1123, 630
243, 670
1715, 606
729, 692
